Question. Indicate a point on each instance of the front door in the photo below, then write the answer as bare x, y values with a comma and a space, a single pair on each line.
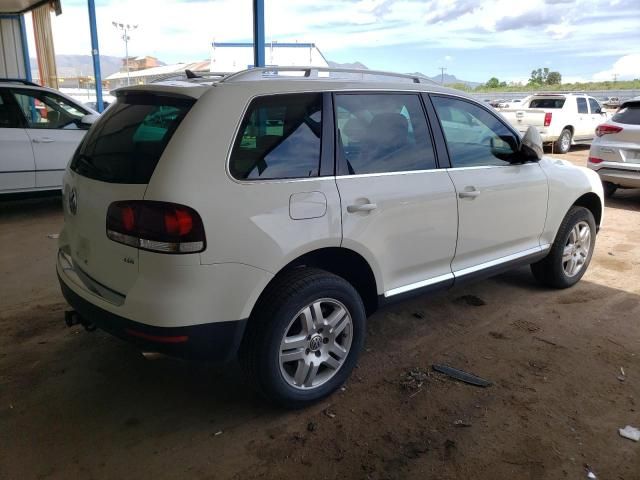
501, 206
398, 210
17, 167
53, 127
583, 125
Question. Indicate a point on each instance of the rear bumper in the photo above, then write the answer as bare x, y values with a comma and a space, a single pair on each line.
218, 341
623, 175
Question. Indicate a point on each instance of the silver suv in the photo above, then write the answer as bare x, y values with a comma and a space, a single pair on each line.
269, 213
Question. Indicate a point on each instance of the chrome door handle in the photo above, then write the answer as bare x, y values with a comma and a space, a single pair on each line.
365, 207
43, 140
469, 194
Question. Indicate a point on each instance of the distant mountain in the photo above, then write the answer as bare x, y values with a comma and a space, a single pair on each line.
357, 65
74, 65
448, 79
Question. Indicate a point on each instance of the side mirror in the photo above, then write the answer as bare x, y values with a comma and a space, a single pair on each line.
88, 120
531, 145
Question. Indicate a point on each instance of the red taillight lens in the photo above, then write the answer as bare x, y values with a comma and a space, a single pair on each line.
595, 160
605, 129
547, 118
156, 226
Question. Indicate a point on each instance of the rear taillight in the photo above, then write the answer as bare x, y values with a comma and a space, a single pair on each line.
156, 226
595, 160
605, 129
547, 118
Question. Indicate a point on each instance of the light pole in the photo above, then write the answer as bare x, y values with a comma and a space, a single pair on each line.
125, 28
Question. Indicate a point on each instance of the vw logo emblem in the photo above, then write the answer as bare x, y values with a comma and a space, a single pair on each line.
73, 201
315, 343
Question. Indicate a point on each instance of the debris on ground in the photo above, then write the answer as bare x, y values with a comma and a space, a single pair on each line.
461, 375
461, 423
329, 413
590, 473
311, 426
630, 432
413, 380
53, 235
471, 300
544, 340
622, 377
497, 335
418, 315
218, 433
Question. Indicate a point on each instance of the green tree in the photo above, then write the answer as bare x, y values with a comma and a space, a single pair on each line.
539, 76
493, 83
554, 78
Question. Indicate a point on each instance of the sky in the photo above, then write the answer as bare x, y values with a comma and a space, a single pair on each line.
474, 40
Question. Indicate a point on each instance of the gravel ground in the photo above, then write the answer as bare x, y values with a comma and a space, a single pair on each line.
78, 405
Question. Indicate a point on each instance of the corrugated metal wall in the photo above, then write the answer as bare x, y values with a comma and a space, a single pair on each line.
11, 53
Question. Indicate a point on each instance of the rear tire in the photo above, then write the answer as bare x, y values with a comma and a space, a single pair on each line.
563, 144
609, 189
304, 337
571, 251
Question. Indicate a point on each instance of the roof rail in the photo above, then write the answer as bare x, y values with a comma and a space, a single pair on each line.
200, 76
260, 73
18, 80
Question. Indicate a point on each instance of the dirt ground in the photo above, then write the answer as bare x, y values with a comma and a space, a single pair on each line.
79, 405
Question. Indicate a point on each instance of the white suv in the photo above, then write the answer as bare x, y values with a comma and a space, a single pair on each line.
269, 215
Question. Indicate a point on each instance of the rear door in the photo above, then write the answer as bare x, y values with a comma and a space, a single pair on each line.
115, 162
501, 206
596, 114
53, 126
17, 167
584, 122
398, 209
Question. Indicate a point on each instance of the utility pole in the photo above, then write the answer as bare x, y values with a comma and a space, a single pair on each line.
125, 28
442, 70
615, 77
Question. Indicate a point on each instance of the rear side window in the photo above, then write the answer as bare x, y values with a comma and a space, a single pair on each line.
383, 133
280, 137
594, 105
547, 103
125, 144
629, 113
582, 105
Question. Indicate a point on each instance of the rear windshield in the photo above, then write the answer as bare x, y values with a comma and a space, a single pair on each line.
547, 103
629, 113
125, 144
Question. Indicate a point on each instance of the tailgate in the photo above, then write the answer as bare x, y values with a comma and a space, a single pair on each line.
114, 162
523, 118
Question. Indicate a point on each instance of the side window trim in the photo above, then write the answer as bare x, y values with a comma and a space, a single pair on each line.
327, 146
341, 168
440, 144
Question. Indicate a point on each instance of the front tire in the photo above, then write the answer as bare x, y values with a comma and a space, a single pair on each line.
304, 337
563, 144
571, 251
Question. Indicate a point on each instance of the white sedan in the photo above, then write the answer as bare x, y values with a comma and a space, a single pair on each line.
40, 128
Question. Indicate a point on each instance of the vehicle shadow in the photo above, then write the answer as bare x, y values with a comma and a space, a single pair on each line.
625, 199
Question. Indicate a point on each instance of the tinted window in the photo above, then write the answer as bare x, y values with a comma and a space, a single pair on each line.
547, 103
280, 137
474, 136
125, 144
582, 105
8, 117
594, 105
47, 110
629, 113
383, 133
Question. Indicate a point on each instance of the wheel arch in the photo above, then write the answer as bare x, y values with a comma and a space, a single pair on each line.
340, 261
591, 201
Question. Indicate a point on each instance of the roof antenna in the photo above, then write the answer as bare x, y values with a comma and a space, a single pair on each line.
190, 74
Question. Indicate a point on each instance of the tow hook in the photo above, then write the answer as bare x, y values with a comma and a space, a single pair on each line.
71, 318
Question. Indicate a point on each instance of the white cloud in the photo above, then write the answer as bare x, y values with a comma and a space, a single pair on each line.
626, 68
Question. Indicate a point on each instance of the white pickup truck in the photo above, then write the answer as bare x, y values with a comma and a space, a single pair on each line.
563, 119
